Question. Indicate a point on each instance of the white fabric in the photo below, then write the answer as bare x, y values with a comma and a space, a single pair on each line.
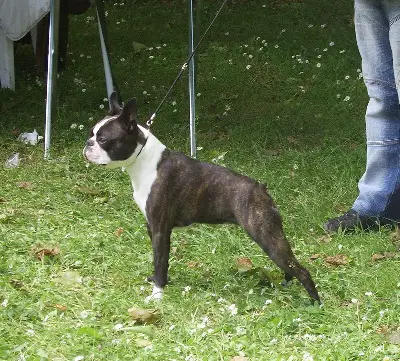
17, 17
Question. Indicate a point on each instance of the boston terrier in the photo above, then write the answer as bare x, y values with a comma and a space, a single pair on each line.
173, 190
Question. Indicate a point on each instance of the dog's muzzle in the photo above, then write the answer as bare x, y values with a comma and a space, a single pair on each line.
87, 148
84, 153
89, 143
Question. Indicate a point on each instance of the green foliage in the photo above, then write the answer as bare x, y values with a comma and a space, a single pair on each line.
279, 98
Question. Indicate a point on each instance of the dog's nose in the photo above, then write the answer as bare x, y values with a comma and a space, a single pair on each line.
90, 143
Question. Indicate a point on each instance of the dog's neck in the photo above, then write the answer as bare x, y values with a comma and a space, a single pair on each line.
143, 171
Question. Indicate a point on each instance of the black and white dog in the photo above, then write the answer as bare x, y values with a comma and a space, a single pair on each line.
173, 190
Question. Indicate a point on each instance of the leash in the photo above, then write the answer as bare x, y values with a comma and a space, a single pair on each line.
183, 68
150, 121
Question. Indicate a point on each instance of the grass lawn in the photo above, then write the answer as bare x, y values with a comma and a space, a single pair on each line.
279, 98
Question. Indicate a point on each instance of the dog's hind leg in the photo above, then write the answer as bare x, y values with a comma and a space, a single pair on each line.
268, 234
282, 255
293, 268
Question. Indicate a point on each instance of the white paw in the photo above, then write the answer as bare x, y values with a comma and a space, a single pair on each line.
155, 296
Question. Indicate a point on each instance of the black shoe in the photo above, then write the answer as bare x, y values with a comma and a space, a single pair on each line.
350, 221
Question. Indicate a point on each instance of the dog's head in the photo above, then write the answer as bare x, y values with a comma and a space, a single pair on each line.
115, 140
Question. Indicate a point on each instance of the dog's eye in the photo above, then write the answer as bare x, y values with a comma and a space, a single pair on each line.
101, 140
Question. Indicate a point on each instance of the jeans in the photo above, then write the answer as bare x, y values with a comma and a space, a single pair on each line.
377, 24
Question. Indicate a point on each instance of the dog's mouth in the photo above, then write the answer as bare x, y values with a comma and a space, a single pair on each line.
87, 157
96, 155
96, 163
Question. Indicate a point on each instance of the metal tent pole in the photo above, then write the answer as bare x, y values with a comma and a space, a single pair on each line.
101, 18
106, 63
192, 85
51, 71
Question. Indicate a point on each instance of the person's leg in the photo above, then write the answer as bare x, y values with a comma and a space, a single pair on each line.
392, 8
377, 24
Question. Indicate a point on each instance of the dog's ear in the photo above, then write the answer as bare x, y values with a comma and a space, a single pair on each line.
115, 107
128, 117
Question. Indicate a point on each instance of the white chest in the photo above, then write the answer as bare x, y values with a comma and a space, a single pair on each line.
143, 172
142, 188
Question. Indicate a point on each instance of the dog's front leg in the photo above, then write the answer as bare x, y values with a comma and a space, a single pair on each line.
160, 240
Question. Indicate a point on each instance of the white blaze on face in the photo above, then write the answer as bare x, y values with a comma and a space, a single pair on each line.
95, 153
